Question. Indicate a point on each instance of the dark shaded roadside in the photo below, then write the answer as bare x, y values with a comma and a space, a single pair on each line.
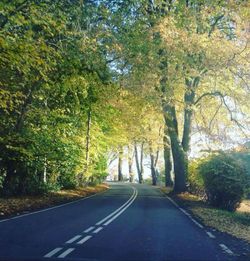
24, 204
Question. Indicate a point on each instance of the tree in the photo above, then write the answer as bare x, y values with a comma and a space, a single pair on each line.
54, 79
130, 163
82, 78
180, 50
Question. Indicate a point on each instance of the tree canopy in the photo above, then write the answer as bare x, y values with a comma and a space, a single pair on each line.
81, 82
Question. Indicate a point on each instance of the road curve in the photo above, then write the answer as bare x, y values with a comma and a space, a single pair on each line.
127, 222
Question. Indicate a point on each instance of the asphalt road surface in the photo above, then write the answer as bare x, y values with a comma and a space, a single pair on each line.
127, 222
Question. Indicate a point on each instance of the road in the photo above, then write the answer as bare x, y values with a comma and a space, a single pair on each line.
127, 222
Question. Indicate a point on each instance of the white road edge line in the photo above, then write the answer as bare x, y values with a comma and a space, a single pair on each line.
84, 240
119, 213
65, 253
73, 239
47, 209
53, 252
173, 202
113, 213
196, 223
97, 230
185, 212
88, 229
210, 234
226, 249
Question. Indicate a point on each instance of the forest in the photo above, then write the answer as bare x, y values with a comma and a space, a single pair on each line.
87, 82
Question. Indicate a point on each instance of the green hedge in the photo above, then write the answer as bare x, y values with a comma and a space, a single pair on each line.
224, 181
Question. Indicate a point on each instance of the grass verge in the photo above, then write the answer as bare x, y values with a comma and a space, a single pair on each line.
17, 205
234, 223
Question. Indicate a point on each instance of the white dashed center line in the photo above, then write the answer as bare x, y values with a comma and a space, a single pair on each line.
88, 229
108, 219
73, 239
84, 240
53, 252
98, 230
65, 253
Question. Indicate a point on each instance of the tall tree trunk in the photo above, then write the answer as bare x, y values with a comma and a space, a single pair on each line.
141, 161
130, 164
28, 100
167, 158
45, 170
10, 178
137, 161
86, 165
153, 170
153, 163
88, 138
120, 175
179, 157
191, 85
13, 180
186, 129
20, 119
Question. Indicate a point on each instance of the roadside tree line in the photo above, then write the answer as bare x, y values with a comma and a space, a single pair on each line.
82, 80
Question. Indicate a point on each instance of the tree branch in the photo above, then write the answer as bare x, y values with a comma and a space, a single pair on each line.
222, 97
156, 158
217, 19
216, 93
216, 112
231, 115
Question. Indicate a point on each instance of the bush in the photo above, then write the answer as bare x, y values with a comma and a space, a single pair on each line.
67, 181
27, 185
224, 181
244, 158
33, 186
195, 179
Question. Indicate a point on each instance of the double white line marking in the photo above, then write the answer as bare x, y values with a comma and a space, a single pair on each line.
98, 227
119, 211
